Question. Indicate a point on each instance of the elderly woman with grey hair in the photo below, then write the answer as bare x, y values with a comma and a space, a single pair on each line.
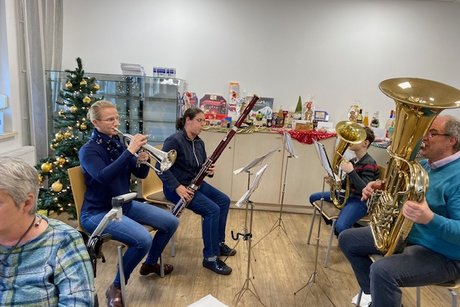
43, 262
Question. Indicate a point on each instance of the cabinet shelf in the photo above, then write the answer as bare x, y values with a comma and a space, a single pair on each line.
146, 105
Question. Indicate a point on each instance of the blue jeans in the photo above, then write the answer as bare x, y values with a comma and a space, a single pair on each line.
129, 230
353, 210
415, 266
213, 206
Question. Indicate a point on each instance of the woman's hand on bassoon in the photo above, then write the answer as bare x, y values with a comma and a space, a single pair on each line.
210, 171
184, 193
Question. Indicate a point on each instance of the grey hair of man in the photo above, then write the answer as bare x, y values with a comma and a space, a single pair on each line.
18, 179
452, 128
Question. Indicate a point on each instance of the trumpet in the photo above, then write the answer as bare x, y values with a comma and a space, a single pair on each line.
165, 159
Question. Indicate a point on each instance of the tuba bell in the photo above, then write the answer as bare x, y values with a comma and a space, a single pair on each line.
418, 102
165, 159
348, 133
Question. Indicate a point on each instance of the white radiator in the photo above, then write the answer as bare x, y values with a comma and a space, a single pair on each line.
27, 153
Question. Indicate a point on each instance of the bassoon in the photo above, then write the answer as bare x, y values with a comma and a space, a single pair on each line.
198, 180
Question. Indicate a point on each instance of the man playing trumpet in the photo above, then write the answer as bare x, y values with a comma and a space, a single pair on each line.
107, 165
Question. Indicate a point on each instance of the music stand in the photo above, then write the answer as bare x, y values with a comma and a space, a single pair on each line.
291, 154
322, 155
312, 278
96, 238
248, 235
247, 169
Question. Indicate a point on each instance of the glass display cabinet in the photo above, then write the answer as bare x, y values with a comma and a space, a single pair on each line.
148, 105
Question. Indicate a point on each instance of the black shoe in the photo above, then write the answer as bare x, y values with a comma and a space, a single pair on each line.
225, 250
217, 266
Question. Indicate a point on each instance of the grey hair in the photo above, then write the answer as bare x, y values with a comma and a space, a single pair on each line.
17, 179
94, 111
452, 128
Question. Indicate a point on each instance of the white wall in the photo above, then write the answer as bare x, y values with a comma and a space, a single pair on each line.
337, 51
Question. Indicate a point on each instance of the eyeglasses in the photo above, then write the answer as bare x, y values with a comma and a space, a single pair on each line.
432, 134
111, 119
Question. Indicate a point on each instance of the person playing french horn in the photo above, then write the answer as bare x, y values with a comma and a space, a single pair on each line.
432, 254
107, 164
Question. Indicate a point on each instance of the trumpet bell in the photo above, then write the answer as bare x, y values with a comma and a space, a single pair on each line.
168, 160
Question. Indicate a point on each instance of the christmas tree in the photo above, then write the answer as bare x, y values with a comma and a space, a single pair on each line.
72, 129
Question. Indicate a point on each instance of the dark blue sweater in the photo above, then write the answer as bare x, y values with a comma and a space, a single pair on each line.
105, 178
191, 154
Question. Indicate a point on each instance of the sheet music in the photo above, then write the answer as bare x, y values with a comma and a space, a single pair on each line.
256, 162
322, 155
254, 186
288, 144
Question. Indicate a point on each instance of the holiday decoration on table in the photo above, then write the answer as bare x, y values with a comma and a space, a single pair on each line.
72, 130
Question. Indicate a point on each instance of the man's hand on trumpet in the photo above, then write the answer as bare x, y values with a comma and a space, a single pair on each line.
136, 143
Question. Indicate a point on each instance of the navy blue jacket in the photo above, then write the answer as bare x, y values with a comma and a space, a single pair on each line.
191, 154
105, 178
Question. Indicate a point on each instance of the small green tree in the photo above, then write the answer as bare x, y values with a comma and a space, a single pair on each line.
72, 131
298, 108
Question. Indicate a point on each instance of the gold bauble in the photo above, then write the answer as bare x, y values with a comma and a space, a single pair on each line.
59, 136
86, 100
73, 109
61, 113
40, 179
96, 87
47, 167
56, 186
52, 146
67, 134
83, 82
61, 161
68, 85
83, 126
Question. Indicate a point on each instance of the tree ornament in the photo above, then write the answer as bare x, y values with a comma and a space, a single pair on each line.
73, 109
68, 85
47, 167
86, 100
67, 134
61, 113
41, 179
59, 136
96, 87
83, 126
61, 161
83, 82
56, 186
52, 147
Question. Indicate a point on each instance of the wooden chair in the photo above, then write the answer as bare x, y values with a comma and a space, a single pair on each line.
451, 286
331, 213
77, 182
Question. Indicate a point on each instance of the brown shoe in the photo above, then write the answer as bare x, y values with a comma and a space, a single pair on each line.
113, 295
146, 269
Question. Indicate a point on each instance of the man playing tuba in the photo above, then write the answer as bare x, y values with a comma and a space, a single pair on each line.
432, 254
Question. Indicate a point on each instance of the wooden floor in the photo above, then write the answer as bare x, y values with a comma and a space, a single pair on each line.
281, 264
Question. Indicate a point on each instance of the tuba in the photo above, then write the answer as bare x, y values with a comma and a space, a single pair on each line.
418, 102
165, 159
348, 133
